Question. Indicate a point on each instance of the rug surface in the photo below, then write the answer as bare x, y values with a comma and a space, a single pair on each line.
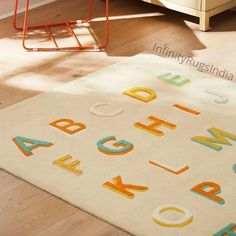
146, 144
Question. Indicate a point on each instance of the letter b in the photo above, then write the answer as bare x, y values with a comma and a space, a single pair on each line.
68, 126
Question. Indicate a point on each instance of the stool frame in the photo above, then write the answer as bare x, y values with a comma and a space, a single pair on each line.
69, 25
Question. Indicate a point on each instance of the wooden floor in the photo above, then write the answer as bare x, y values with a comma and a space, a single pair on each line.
26, 210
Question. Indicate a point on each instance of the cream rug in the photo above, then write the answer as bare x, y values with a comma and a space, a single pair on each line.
147, 145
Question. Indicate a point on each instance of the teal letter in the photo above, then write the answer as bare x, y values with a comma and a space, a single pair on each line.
33, 144
125, 146
175, 80
234, 168
227, 231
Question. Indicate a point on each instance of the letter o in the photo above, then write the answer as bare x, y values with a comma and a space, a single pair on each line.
185, 220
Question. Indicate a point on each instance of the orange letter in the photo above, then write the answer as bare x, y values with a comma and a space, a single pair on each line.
121, 188
186, 109
152, 128
176, 171
134, 94
68, 126
210, 194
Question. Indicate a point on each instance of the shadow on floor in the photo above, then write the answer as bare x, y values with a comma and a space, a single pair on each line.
128, 36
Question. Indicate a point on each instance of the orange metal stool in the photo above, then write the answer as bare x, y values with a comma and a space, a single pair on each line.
84, 23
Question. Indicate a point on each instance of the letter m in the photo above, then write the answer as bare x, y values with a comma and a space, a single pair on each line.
218, 137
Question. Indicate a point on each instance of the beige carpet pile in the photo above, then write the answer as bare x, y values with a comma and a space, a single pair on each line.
147, 145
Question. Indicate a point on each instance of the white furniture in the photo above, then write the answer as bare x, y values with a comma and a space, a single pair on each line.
204, 9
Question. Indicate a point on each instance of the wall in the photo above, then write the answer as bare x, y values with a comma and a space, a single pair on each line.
7, 6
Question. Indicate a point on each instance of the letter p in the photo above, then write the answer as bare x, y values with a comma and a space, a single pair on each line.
211, 194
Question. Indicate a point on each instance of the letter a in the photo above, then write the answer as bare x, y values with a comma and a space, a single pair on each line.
118, 187
151, 95
210, 194
33, 144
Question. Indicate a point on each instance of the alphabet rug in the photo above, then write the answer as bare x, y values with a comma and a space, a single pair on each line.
147, 145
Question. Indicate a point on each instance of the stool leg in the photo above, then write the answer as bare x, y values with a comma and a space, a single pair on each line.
90, 11
107, 26
25, 25
16, 6
15, 15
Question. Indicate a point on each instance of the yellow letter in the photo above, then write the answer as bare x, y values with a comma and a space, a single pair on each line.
134, 94
121, 188
156, 123
218, 137
69, 166
185, 220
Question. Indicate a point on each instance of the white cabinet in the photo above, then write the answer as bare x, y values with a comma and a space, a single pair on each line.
187, 3
209, 5
204, 9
